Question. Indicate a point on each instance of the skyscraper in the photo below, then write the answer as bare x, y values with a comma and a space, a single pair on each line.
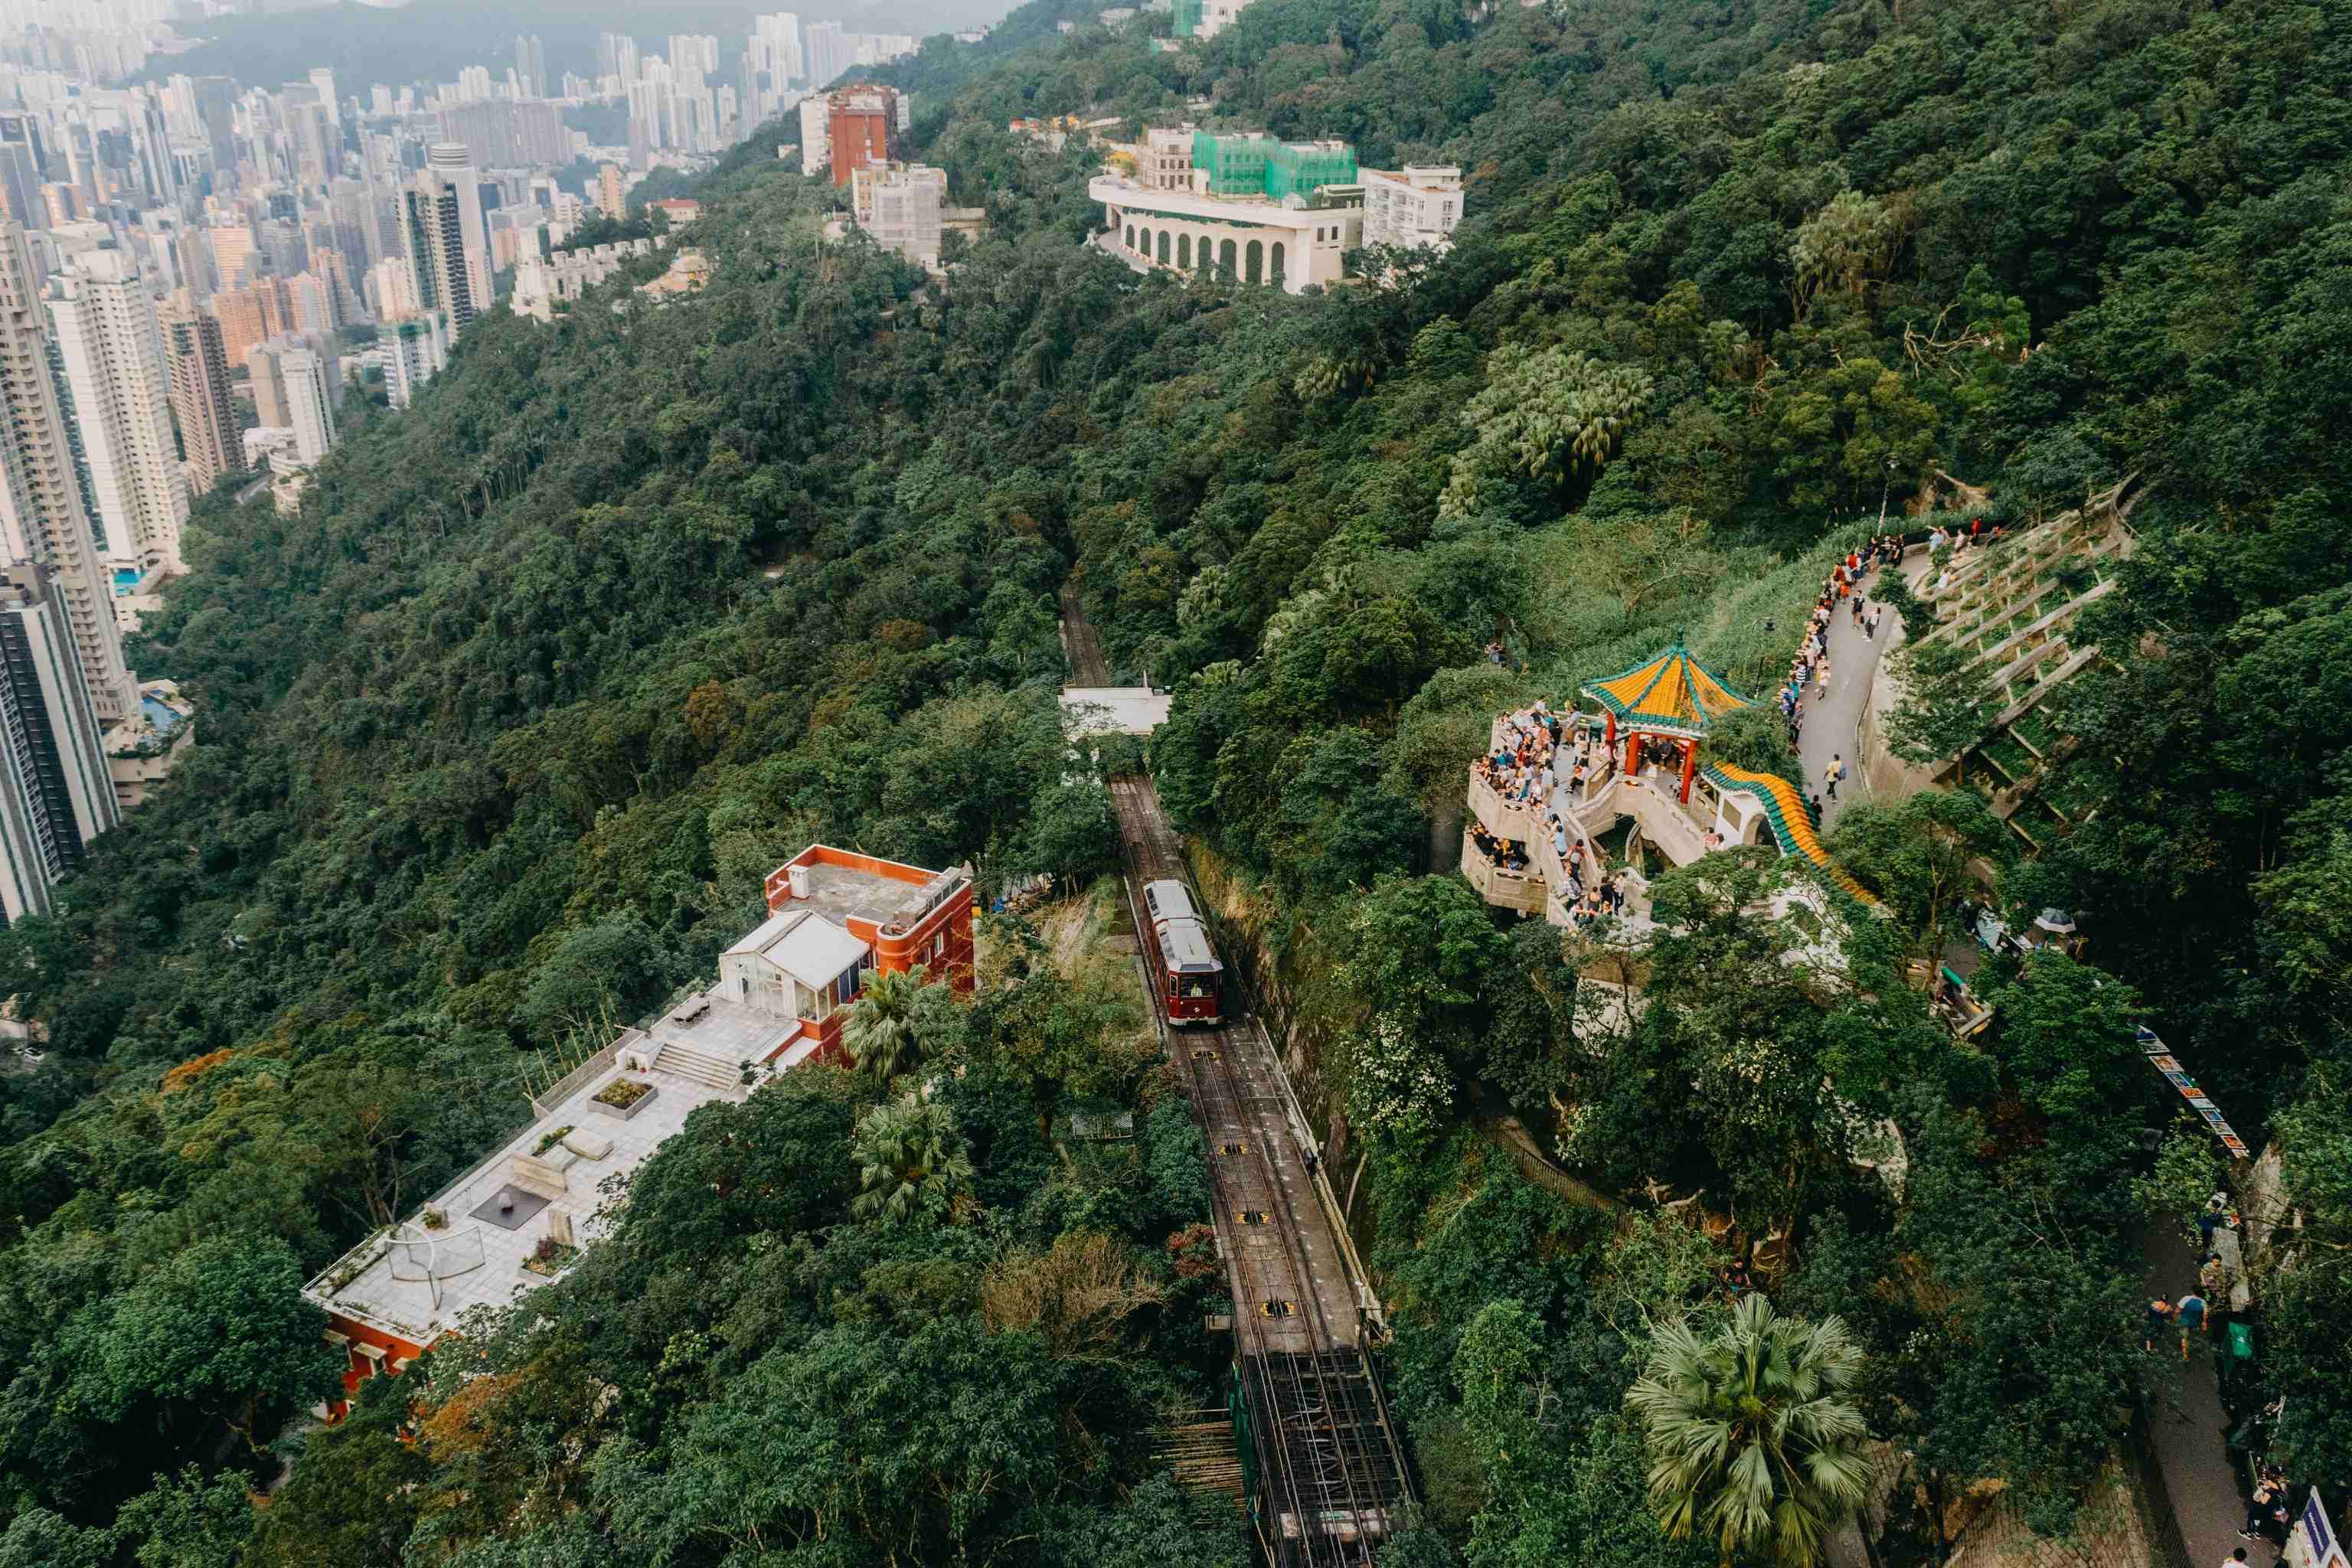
41, 514
436, 249
609, 192
309, 374
454, 166
54, 794
114, 355
200, 394
21, 170
530, 65
215, 98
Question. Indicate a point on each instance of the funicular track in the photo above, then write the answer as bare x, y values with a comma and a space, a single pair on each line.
1329, 1469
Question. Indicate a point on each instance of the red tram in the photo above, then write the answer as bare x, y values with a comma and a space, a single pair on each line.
1183, 964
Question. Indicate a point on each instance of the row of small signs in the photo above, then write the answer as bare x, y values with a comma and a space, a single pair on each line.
2160, 1057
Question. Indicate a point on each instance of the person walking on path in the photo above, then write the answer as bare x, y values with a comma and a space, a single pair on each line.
2190, 1315
1822, 672
2160, 1316
1831, 775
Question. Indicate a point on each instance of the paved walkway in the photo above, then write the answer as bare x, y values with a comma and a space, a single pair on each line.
2189, 1427
1830, 722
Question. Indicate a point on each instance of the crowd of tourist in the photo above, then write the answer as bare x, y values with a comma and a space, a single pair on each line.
1811, 665
1543, 759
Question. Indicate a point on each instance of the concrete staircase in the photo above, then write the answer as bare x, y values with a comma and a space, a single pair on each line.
696, 1067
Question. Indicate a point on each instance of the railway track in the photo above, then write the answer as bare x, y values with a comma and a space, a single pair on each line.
1328, 1469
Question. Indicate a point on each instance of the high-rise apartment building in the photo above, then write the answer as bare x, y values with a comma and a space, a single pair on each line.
392, 289
436, 250
54, 794
215, 104
265, 378
416, 351
454, 166
233, 250
114, 355
610, 192
829, 53
530, 65
310, 376
251, 315
42, 517
816, 146
200, 394
21, 172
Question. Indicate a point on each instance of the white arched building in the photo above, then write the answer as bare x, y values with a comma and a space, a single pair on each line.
1256, 241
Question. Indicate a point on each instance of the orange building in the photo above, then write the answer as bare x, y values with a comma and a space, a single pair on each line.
902, 915
253, 315
859, 121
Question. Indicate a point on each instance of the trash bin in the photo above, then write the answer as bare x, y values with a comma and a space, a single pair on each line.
2241, 1341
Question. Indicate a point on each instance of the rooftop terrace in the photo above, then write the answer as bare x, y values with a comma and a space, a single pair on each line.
384, 1283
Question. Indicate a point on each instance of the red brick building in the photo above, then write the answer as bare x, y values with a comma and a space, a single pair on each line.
859, 121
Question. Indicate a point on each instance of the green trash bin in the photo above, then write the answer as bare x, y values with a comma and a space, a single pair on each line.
2241, 1341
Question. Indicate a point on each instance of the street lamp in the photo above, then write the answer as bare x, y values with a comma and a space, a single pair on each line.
1884, 490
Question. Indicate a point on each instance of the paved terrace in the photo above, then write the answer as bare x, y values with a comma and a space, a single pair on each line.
373, 1294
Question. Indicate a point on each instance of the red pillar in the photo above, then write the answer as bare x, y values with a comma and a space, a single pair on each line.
1633, 753
1690, 767
1609, 740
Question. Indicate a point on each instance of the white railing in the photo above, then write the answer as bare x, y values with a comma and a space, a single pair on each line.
1502, 819
1511, 890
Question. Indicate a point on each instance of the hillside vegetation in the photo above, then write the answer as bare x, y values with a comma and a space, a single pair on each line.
502, 730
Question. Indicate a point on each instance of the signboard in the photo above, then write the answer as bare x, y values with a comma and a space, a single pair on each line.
2160, 1056
2314, 1544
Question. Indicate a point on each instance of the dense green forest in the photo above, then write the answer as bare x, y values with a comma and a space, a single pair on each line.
500, 732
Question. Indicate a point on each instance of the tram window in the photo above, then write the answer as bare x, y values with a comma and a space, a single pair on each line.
1191, 987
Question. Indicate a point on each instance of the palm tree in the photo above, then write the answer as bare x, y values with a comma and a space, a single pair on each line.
1751, 1437
910, 1159
880, 1031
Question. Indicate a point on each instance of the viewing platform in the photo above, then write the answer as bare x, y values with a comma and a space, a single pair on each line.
1553, 785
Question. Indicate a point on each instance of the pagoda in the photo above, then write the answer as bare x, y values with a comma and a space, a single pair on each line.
1669, 696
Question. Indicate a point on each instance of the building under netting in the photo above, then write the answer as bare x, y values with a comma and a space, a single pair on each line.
2014, 606
1251, 163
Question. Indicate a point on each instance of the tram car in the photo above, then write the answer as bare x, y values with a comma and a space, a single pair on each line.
1183, 964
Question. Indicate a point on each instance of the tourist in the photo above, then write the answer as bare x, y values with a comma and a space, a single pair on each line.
2160, 1316
2189, 1313
2213, 1277
1833, 773
1822, 672
2258, 1511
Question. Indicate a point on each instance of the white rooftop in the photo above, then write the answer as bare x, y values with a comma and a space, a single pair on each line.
1112, 710
372, 1293
803, 944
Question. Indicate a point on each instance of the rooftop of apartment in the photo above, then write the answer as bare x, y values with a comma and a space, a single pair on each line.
843, 889
388, 1282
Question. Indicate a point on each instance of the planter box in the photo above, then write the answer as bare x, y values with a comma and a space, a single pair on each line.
620, 1112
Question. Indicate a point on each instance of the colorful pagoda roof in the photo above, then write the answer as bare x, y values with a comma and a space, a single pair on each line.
1672, 694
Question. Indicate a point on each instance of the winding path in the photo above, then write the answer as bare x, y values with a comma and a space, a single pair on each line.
1833, 722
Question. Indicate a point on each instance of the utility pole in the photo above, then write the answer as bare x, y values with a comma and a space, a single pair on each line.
1884, 490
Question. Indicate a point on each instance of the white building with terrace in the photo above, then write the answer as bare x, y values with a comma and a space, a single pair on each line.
1251, 241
